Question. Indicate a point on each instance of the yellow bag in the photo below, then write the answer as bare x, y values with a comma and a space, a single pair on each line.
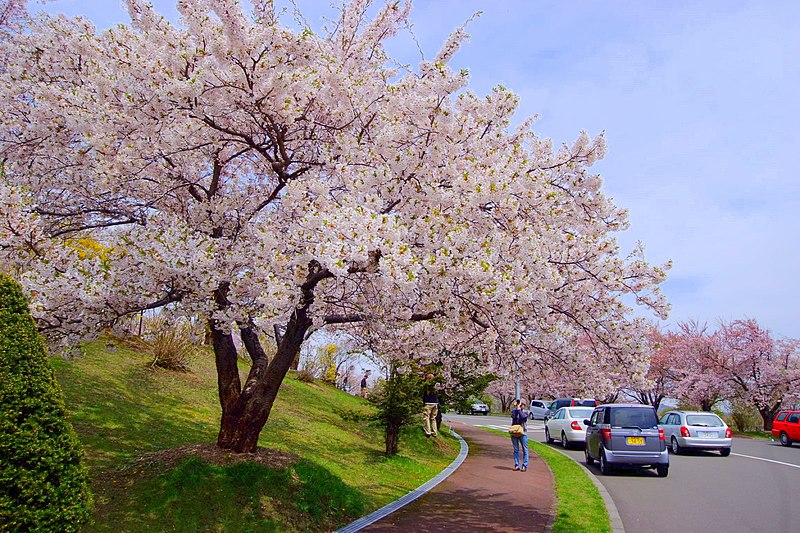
516, 430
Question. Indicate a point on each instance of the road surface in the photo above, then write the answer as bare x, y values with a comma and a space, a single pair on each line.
756, 488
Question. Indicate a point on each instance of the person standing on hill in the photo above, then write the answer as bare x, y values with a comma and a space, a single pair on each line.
520, 416
431, 408
364, 384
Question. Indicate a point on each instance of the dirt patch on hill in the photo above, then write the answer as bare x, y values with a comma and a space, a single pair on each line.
213, 454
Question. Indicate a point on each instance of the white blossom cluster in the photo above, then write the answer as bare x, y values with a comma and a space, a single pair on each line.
229, 149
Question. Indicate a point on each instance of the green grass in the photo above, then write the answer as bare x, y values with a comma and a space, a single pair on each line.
580, 508
753, 434
128, 415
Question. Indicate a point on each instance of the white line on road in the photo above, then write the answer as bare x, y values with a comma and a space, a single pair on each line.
504, 428
767, 460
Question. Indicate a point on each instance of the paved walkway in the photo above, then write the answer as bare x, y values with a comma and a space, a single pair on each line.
483, 494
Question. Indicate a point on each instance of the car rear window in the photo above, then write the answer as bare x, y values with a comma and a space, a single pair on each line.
587, 403
640, 417
712, 421
782, 416
580, 412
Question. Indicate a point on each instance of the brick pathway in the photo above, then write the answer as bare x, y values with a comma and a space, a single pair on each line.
484, 494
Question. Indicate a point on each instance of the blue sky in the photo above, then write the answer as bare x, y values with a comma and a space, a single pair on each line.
699, 103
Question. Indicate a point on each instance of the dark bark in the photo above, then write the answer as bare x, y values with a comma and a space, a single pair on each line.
768, 415
245, 410
392, 437
229, 385
240, 430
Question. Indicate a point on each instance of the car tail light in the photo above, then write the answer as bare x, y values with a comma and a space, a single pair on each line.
606, 433
685, 432
661, 434
728, 433
575, 425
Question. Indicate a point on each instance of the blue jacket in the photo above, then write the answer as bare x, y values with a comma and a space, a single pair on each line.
519, 416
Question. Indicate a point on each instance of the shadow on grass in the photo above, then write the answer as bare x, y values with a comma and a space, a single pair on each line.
242, 497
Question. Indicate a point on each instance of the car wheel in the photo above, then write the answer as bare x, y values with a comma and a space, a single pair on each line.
662, 470
676, 448
486, 413
564, 441
605, 468
547, 436
589, 460
725, 452
785, 440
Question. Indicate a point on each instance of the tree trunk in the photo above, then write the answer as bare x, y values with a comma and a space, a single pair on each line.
768, 415
392, 437
247, 414
245, 410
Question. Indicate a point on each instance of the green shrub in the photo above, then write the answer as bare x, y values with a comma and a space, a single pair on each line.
43, 485
745, 417
399, 403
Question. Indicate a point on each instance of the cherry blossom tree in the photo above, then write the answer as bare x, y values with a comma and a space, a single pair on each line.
661, 374
504, 391
237, 170
13, 14
762, 371
696, 354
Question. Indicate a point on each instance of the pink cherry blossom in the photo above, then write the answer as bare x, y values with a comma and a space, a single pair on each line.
238, 171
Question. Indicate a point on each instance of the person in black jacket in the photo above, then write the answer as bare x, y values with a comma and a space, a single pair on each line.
364, 384
431, 408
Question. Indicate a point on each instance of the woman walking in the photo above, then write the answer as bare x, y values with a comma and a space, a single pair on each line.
519, 416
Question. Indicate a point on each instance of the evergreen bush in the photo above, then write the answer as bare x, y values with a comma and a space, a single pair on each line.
43, 485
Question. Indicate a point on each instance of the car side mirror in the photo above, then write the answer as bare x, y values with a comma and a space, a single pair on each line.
587, 423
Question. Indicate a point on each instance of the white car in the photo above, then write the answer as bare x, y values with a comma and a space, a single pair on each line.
475, 407
567, 425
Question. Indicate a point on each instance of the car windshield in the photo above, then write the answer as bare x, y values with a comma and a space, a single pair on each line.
709, 420
639, 417
581, 413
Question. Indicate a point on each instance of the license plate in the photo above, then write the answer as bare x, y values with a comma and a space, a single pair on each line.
707, 434
635, 441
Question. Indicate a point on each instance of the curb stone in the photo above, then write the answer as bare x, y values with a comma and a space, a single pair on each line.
386, 510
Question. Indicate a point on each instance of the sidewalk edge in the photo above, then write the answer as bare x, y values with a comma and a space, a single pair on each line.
386, 510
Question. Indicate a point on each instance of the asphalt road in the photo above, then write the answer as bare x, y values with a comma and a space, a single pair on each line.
756, 488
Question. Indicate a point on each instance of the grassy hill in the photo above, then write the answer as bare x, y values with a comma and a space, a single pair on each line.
148, 436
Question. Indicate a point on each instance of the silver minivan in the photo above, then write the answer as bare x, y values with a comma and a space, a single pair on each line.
539, 409
626, 435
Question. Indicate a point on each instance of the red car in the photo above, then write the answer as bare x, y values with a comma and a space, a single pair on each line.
786, 427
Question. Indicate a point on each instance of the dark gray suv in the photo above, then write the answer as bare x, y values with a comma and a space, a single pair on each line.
620, 434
